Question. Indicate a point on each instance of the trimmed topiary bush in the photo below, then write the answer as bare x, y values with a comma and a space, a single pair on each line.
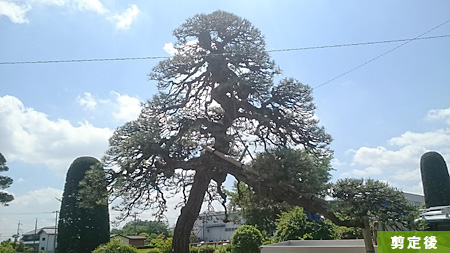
246, 239
115, 246
435, 179
84, 219
295, 225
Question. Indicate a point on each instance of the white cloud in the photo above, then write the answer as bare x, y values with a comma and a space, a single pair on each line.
169, 48
364, 173
337, 163
399, 160
91, 5
49, 2
417, 188
87, 101
121, 107
440, 114
123, 21
39, 198
29, 136
127, 108
81, 5
16, 13
408, 174
382, 157
439, 137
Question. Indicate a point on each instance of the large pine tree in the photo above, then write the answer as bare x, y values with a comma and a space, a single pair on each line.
83, 222
218, 91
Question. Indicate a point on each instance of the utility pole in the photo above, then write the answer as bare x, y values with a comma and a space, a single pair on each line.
135, 223
56, 226
17, 235
35, 235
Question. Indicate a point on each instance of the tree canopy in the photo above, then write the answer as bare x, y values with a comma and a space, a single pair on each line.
359, 198
218, 90
5, 182
298, 168
369, 200
143, 226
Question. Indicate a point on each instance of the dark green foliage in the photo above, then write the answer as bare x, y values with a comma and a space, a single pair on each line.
258, 211
83, 222
306, 171
116, 246
148, 246
435, 179
350, 233
5, 182
204, 249
295, 225
246, 239
357, 199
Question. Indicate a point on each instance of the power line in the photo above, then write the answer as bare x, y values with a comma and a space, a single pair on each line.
25, 213
357, 44
269, 51
381, 55
87, 60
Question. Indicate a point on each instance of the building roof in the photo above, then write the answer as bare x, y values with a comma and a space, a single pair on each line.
436, 214
49, 230
131, 237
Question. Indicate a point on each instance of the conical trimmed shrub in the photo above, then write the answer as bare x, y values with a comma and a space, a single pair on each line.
435, 179
83, 223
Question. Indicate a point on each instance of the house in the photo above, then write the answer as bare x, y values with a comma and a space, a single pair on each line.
31, 240
42, 239
414, 199
211, 227
437, 218
133, 240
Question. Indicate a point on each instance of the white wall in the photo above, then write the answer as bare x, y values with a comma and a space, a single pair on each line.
210, 227
47, 242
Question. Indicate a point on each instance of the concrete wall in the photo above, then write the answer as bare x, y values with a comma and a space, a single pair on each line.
316, 246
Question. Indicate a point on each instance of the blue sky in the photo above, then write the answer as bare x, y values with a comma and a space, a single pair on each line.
382, 116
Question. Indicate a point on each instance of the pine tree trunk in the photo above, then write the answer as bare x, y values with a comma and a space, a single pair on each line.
190, 211
367, 234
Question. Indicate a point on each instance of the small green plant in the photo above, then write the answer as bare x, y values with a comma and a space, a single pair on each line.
206, 249
7, 247
115, 246
246, 239
295, 225
154, 250
163, 244
224, 249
